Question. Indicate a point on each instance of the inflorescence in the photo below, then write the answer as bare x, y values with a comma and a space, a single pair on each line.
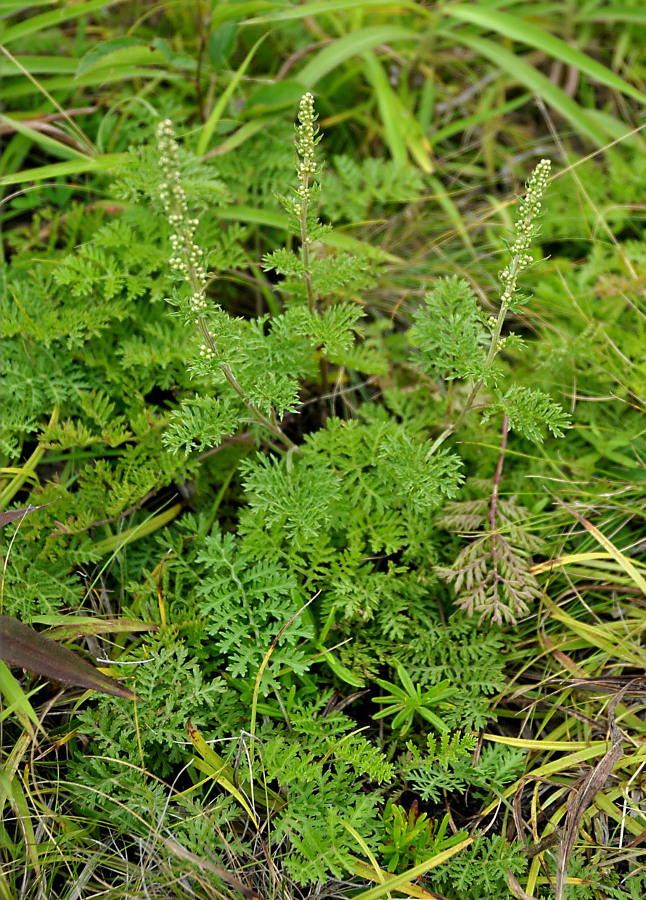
186, 257
529, 208
306, 141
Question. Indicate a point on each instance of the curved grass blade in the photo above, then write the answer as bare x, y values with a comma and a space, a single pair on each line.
538, 83
353, 44
16, 701
216, 113
49, 144
400, 880
58, 170
519, 30
328, 6
56, 17
387, 110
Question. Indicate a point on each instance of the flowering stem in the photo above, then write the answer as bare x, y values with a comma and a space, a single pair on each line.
520, 258
305, 144
187, 261
240, 391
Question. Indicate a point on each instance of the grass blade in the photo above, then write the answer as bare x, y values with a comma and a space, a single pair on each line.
526, 33
387, 108
56, 17
538, 83
353, 44
216, 113
59, 170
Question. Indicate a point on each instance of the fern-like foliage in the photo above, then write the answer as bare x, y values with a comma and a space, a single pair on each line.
450, 332
530, 412
490, 575
244, 603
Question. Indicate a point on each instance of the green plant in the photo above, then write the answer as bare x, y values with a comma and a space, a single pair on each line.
408, 701
410, 836
292, 486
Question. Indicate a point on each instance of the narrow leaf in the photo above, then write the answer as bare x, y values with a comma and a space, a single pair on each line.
539, 84
519, 30
26, 648
63, 13
352, 44
17, 700
216, 113
58, 170
13, 514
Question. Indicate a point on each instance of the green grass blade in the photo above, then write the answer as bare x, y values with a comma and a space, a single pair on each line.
63, 13
535, 81
115, 56
387, 108
16, 698
60, 170
37, 65
353, 44
329, 6
216, 113
50, 144
460, 124
519, 30
338, 239
423, 867
226, 12
608, 13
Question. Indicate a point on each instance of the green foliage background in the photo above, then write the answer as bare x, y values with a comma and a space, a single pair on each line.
391, 581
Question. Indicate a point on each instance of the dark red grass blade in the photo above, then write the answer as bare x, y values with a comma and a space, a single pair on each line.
26, 648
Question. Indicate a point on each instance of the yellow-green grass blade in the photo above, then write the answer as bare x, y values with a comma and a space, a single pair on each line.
16, 701
226, 12
60, 170
27, 470
387, 108
599, 637
10, 766
541, 744
216, 113
328, 6
211, 765
118, 541
63, 13
97, 78
610, 13
334, 238
37, 65
624, 561
410, 889
573, 559
459, 125
11, 7
531, 78
354, 44
41, 139
17, 799
400, 880
378, 874
116, 58
519, 30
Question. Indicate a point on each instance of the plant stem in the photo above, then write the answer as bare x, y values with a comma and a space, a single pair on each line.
240, 391
473, 393
29, 467
305, 246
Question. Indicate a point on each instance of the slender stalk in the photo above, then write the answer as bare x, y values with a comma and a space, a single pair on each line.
305, 145
187, 261
29, 467
529, 208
